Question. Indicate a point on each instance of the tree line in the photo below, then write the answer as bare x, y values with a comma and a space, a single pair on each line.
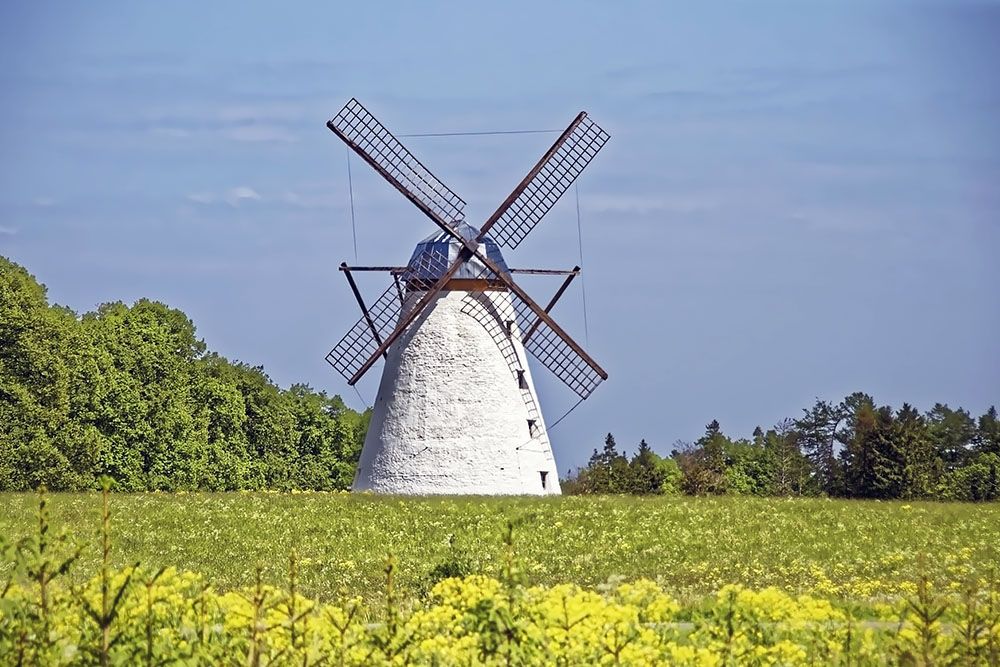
131, 393
851, 449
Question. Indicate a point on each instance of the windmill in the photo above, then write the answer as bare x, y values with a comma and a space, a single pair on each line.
456, 409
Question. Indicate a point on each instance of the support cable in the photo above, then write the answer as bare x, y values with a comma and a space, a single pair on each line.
565, 414
350, 189
360, 397
478, 134
548, 429
583, 282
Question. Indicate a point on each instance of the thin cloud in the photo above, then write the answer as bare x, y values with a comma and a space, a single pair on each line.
170, 132
241, 193
233, 196
647, 204
260, 134
202, 198
7, 231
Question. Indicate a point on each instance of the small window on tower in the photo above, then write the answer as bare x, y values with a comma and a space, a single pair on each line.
521, 382
531, 427
543, 474
510, 327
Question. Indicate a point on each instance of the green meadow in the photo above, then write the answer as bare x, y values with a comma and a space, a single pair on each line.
856, 551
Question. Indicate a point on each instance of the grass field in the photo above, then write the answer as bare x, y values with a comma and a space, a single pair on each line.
853, 551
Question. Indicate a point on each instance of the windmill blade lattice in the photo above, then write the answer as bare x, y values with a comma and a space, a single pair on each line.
362, 340
359, 342
553, 352
372, 141
554, 349
571, 154
544, 343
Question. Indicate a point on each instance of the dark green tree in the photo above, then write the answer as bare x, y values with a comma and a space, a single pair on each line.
715, 445
987, 438
645, 472
607, 470
976, 481
859, 456
703, 464
818, 437
791, 473
887, 458
916, 452
952, 434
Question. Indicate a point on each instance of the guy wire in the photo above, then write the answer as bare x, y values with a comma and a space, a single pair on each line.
478, 134
360, 397
350, 189
549, 428
583, 284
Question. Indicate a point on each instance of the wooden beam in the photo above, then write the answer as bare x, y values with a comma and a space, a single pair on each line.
471, 248
403, 269
547, 272
463, 255
361, 302
464, 285
484, 230
399, 289
552, 302
390, 269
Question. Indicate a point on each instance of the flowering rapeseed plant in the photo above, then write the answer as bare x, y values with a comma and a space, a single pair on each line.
134, 615
177, 619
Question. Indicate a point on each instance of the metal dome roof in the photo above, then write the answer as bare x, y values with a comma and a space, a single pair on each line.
433, 255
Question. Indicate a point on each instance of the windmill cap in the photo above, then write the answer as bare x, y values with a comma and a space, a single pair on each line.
428, 258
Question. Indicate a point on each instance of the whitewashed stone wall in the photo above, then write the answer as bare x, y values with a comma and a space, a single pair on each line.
450, 416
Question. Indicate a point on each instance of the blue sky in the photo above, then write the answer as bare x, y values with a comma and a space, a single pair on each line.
799, 200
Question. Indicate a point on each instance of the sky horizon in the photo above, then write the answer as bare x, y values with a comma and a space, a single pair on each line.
795, 203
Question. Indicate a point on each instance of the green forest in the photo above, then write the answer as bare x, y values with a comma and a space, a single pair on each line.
131, 393
853, 449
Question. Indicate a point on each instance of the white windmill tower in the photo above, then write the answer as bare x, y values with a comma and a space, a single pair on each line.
456, 410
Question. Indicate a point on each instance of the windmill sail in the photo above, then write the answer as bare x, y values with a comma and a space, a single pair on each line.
546, 183
360, 341
360, 347
370, 139
553, 351
546, 341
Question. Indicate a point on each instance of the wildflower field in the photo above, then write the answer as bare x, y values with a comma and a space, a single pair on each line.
312, 578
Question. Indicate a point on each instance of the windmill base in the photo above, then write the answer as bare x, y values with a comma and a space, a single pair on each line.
456, 411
